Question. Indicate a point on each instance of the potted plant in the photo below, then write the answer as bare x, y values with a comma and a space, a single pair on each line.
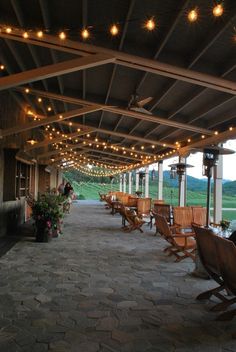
47, 214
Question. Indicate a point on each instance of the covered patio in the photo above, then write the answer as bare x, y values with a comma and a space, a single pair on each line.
108, 88
97, 288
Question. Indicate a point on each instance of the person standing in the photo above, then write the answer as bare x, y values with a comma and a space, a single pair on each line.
68, 193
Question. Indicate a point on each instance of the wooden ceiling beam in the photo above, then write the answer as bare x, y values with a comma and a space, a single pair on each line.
120, 111
47, 120
124, 59
53, 70
214, 140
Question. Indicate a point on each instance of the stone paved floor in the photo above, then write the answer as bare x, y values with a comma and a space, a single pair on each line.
97, 288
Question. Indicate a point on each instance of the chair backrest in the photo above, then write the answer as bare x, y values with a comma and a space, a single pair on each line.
158, 201
164, 210
199, 216
132, 201
162, 226
124, 198
183, 216
206, 244
227, 260
144, 205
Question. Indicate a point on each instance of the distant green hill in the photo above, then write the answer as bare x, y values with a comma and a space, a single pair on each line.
193, 183
229, 188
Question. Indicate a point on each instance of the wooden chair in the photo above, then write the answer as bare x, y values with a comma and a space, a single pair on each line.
164, 210
157, 201
199, 216
108, 200
227, 258
183, 218
207, 249
182, 245
102, 196
135, 222
144, 209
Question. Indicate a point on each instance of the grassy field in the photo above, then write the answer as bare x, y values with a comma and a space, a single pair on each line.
90, 190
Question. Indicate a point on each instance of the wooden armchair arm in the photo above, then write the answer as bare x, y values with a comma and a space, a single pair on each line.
188, 234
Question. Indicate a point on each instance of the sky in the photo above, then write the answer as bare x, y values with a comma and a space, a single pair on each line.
229, 163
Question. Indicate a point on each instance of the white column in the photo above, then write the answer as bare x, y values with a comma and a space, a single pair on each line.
218, 176
124, 182
182, 186
137, 180
59, 177
160, 180
121, 180
130, 182
146, 182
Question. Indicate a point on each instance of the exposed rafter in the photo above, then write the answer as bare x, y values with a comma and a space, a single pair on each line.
116, 110
48, 120
132, 61
53, 70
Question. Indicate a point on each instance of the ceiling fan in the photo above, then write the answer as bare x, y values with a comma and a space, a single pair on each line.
137, 104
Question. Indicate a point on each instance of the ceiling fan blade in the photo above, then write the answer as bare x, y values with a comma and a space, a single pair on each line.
145, 101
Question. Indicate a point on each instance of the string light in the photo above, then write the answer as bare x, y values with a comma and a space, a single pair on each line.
49, 108
8, 30
40, 100
150, 24
193, 15
2, 67
62, 35
85, 33
40, 34
25, 35
218, 10
27, 90
114, 30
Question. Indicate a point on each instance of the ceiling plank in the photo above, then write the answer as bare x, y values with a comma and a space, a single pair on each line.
128, 60
53, 70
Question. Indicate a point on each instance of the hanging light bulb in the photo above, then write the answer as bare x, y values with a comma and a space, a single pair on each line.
85, 33
218, 10
114, 30
40, 34
62, 35
25, 35
150, 24
193, 15
8, 30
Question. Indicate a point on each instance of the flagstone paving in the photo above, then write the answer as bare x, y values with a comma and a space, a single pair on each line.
98, 289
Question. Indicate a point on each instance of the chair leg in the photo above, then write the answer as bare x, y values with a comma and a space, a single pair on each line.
223, 305
227, 315
209, 293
